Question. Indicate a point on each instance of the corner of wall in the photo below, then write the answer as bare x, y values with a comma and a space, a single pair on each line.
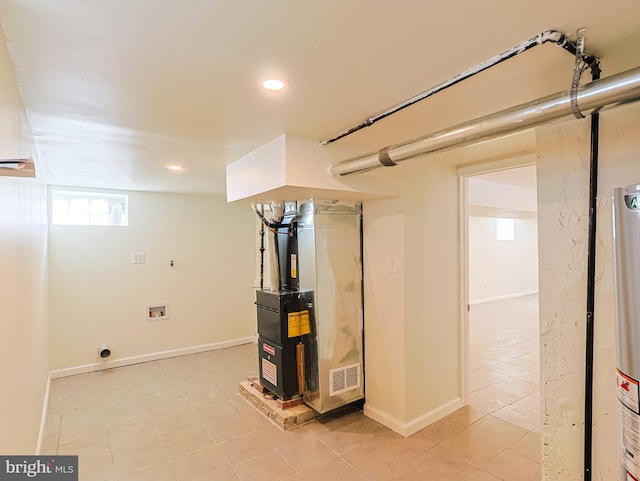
406, 429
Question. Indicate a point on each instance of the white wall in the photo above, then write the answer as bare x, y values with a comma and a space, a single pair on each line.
412, 316
23, 318
384, 306
432, 290
482, 192
97, 295
563, 220
499, 269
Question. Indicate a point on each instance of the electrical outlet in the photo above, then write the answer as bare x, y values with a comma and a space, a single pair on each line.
137, 257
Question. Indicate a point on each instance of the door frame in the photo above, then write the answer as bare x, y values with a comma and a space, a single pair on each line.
464, 172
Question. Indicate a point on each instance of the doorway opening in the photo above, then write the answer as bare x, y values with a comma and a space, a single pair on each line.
501, 338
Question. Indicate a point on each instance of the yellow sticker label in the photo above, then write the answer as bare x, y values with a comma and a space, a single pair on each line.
305, 326
299, 324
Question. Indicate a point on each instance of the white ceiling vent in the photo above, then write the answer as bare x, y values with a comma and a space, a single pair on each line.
344, 379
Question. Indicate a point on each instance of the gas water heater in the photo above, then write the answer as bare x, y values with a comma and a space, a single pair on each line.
626, 235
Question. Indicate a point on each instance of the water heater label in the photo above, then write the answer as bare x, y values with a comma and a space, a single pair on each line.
628, 391
630, 442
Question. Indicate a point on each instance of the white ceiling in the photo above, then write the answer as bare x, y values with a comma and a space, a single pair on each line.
118, 89
504, 193
520, 177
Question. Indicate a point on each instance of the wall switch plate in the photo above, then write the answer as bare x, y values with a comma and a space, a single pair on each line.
137, 257
392, 264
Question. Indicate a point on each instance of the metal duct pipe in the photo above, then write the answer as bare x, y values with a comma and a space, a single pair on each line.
615, 90
559, 38
277, 214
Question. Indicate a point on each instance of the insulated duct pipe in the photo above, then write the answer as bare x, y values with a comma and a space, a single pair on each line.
277, 214
610, 92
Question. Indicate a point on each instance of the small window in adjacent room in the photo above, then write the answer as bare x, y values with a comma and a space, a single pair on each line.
506, 229
89, 208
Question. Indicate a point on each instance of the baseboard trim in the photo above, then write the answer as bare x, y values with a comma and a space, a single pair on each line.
502, 298
43, 417
415, 425
155, 356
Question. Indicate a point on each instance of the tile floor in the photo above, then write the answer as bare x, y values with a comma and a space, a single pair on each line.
183, 419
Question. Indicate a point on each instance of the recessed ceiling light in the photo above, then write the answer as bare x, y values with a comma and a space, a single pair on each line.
175, 168
273, 84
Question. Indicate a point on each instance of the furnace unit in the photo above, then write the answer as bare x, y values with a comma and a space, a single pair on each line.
311, 329
283, 319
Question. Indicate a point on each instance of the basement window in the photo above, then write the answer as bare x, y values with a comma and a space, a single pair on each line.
89, 208
505, 229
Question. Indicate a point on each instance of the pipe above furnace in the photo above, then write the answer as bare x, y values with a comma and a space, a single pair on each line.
613, 91
554, 36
